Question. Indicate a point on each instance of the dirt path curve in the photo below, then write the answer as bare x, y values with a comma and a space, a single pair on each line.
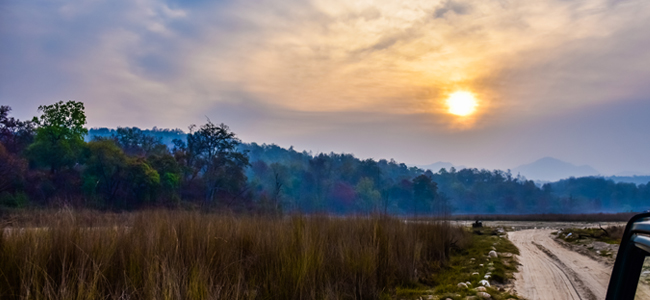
550, 271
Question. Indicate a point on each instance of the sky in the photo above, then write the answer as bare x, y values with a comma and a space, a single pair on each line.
565, 79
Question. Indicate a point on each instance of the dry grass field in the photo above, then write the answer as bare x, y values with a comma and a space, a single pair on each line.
192, 255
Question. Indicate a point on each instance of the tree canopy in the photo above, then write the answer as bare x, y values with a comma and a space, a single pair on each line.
49, 161
59, 136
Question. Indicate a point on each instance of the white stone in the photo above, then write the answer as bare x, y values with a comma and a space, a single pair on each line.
493, 254
483, 295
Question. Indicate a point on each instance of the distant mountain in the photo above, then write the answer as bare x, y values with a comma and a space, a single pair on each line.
552, 169
435, 167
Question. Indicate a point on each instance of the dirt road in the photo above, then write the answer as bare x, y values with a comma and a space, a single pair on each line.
550, 271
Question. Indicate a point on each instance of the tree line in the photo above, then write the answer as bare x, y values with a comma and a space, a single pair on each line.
54, 160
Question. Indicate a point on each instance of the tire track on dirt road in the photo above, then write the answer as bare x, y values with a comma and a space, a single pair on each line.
550, 271
574, 279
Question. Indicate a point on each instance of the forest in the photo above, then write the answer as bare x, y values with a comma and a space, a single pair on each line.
54, 160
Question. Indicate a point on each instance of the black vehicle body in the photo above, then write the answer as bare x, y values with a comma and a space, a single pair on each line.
635, 246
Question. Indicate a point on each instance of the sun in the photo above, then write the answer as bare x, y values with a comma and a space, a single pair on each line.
461, 103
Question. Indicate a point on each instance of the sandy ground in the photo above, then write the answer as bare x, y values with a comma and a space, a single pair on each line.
550, 271
519, 225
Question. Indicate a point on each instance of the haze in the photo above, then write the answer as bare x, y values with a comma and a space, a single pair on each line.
562, 79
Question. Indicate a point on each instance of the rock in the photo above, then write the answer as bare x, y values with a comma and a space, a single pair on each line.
480, 265
472, 259
493, 254
484, 283
483, 295
468, 283
481, 289
598, 245
487, 276
493, 248
475, 273
470, 298
462, 285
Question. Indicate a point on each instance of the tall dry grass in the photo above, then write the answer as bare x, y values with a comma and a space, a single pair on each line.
189, 255
43, 217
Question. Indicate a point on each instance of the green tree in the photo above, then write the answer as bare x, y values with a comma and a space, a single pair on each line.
170, 176
369, 196
120, 181
59, 136
143, 182
212, 151
105, 170
424, 194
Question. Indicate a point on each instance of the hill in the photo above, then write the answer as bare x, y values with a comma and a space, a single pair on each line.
552, 169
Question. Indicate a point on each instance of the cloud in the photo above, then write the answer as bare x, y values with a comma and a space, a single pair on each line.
333, 55
451, 7
316, 71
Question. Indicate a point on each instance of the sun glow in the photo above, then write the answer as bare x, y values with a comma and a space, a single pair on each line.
461, 103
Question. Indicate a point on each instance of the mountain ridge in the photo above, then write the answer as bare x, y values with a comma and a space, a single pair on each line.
553, 169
